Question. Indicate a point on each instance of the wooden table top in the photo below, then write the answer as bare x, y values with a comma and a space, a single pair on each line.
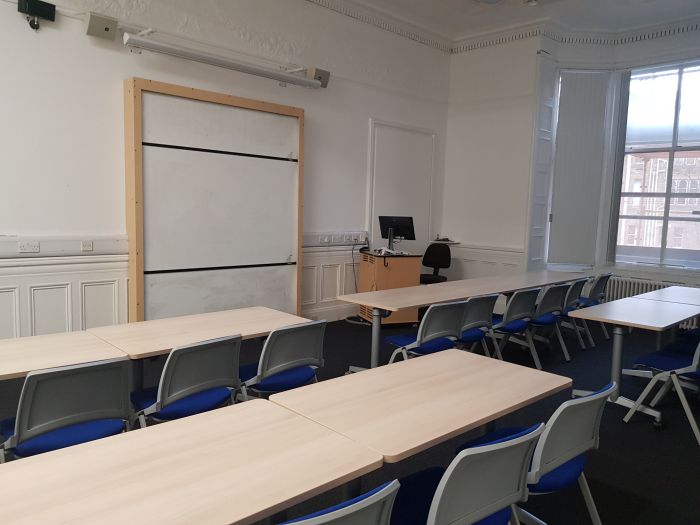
403, 408
237, 464
149, 338
639, 313
401, 298
674, 294
22, 355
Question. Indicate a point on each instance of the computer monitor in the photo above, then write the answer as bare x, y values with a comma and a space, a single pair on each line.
392, 227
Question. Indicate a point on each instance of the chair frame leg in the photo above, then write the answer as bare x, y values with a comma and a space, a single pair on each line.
526, 518
485, 347
661, 393
641, 398
577, 331
605, 331
396, 353
514, 520
501, 345
564, 349
588, 498
533, 350
588, 333
686, 407
142, 421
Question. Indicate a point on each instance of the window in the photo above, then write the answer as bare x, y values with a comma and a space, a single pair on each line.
659, 217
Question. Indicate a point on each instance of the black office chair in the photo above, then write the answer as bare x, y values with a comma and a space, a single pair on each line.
436, 256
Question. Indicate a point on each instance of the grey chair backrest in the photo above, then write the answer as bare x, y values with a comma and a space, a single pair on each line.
58, 397
572, 430
483, 480
521, 305
441, 320
372, 510
198, 367
599, 286
574, 293
552, 299
478, 312
292, 346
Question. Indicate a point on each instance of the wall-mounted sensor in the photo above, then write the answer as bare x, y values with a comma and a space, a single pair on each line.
36, 10
100, 26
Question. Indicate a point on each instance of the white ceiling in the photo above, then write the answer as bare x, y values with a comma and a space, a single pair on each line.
457, 19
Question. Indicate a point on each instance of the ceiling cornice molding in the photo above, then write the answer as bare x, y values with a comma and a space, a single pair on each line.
540, 28
392, 25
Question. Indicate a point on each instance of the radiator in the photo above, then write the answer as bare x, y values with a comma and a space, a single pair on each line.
621, 287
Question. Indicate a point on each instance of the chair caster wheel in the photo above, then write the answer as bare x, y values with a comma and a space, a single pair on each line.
658, 425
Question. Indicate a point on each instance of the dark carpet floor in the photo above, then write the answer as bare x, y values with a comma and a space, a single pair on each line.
640, 475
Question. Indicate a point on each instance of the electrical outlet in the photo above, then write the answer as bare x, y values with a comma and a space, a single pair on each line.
347, 238
86, 246
337, 239
325, 239
28, 247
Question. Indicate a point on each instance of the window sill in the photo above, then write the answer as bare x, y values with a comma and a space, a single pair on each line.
672, 274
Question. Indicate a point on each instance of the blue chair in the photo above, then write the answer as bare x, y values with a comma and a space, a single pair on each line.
289, 360
571, 303
516, 320
438, 330
477, 321
479, 487
61, 407
548, 313
560, 455
596, 295
196, 378
371, 508
675, 366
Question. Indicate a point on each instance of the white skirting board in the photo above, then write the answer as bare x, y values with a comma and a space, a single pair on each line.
183, 293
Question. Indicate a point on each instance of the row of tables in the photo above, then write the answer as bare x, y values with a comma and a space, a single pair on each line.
245, 462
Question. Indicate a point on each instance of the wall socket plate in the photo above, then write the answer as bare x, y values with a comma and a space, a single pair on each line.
28, 247
86, 246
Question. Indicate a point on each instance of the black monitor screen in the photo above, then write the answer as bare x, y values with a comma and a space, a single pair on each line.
403, 227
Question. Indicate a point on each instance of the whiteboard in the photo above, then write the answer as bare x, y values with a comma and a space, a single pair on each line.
205, 210
174, 294
198, 124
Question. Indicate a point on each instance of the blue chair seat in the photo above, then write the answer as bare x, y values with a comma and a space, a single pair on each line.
416, 494
339, 506
435, 345
545, 320
514, 327
585, 302
187, 406
473, 335
292, 378
63, 437
667, 360
561, 477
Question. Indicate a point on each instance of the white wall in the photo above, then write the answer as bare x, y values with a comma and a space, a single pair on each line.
65, 101
62, 112
489, 148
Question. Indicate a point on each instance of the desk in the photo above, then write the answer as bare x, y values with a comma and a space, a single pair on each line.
387, 301
22, 355
237, 464
403, 408
637, 313
674, 294
150, 338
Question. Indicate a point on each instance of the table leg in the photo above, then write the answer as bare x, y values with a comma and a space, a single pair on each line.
615, 375
377, 316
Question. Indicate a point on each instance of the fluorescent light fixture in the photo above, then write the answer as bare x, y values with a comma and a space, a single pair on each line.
149, 44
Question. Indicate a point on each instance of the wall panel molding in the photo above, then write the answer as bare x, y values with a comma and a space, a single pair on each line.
94, 308
9, 312
45, 303
331, 272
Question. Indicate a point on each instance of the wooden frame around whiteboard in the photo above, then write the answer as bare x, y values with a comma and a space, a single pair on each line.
133, 143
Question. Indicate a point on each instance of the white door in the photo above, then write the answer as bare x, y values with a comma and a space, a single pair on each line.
400, 180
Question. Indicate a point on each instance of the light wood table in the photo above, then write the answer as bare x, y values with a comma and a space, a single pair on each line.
403, 408
237, 464
384, 302
22, 355
150, 338
674, 294
636, 313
